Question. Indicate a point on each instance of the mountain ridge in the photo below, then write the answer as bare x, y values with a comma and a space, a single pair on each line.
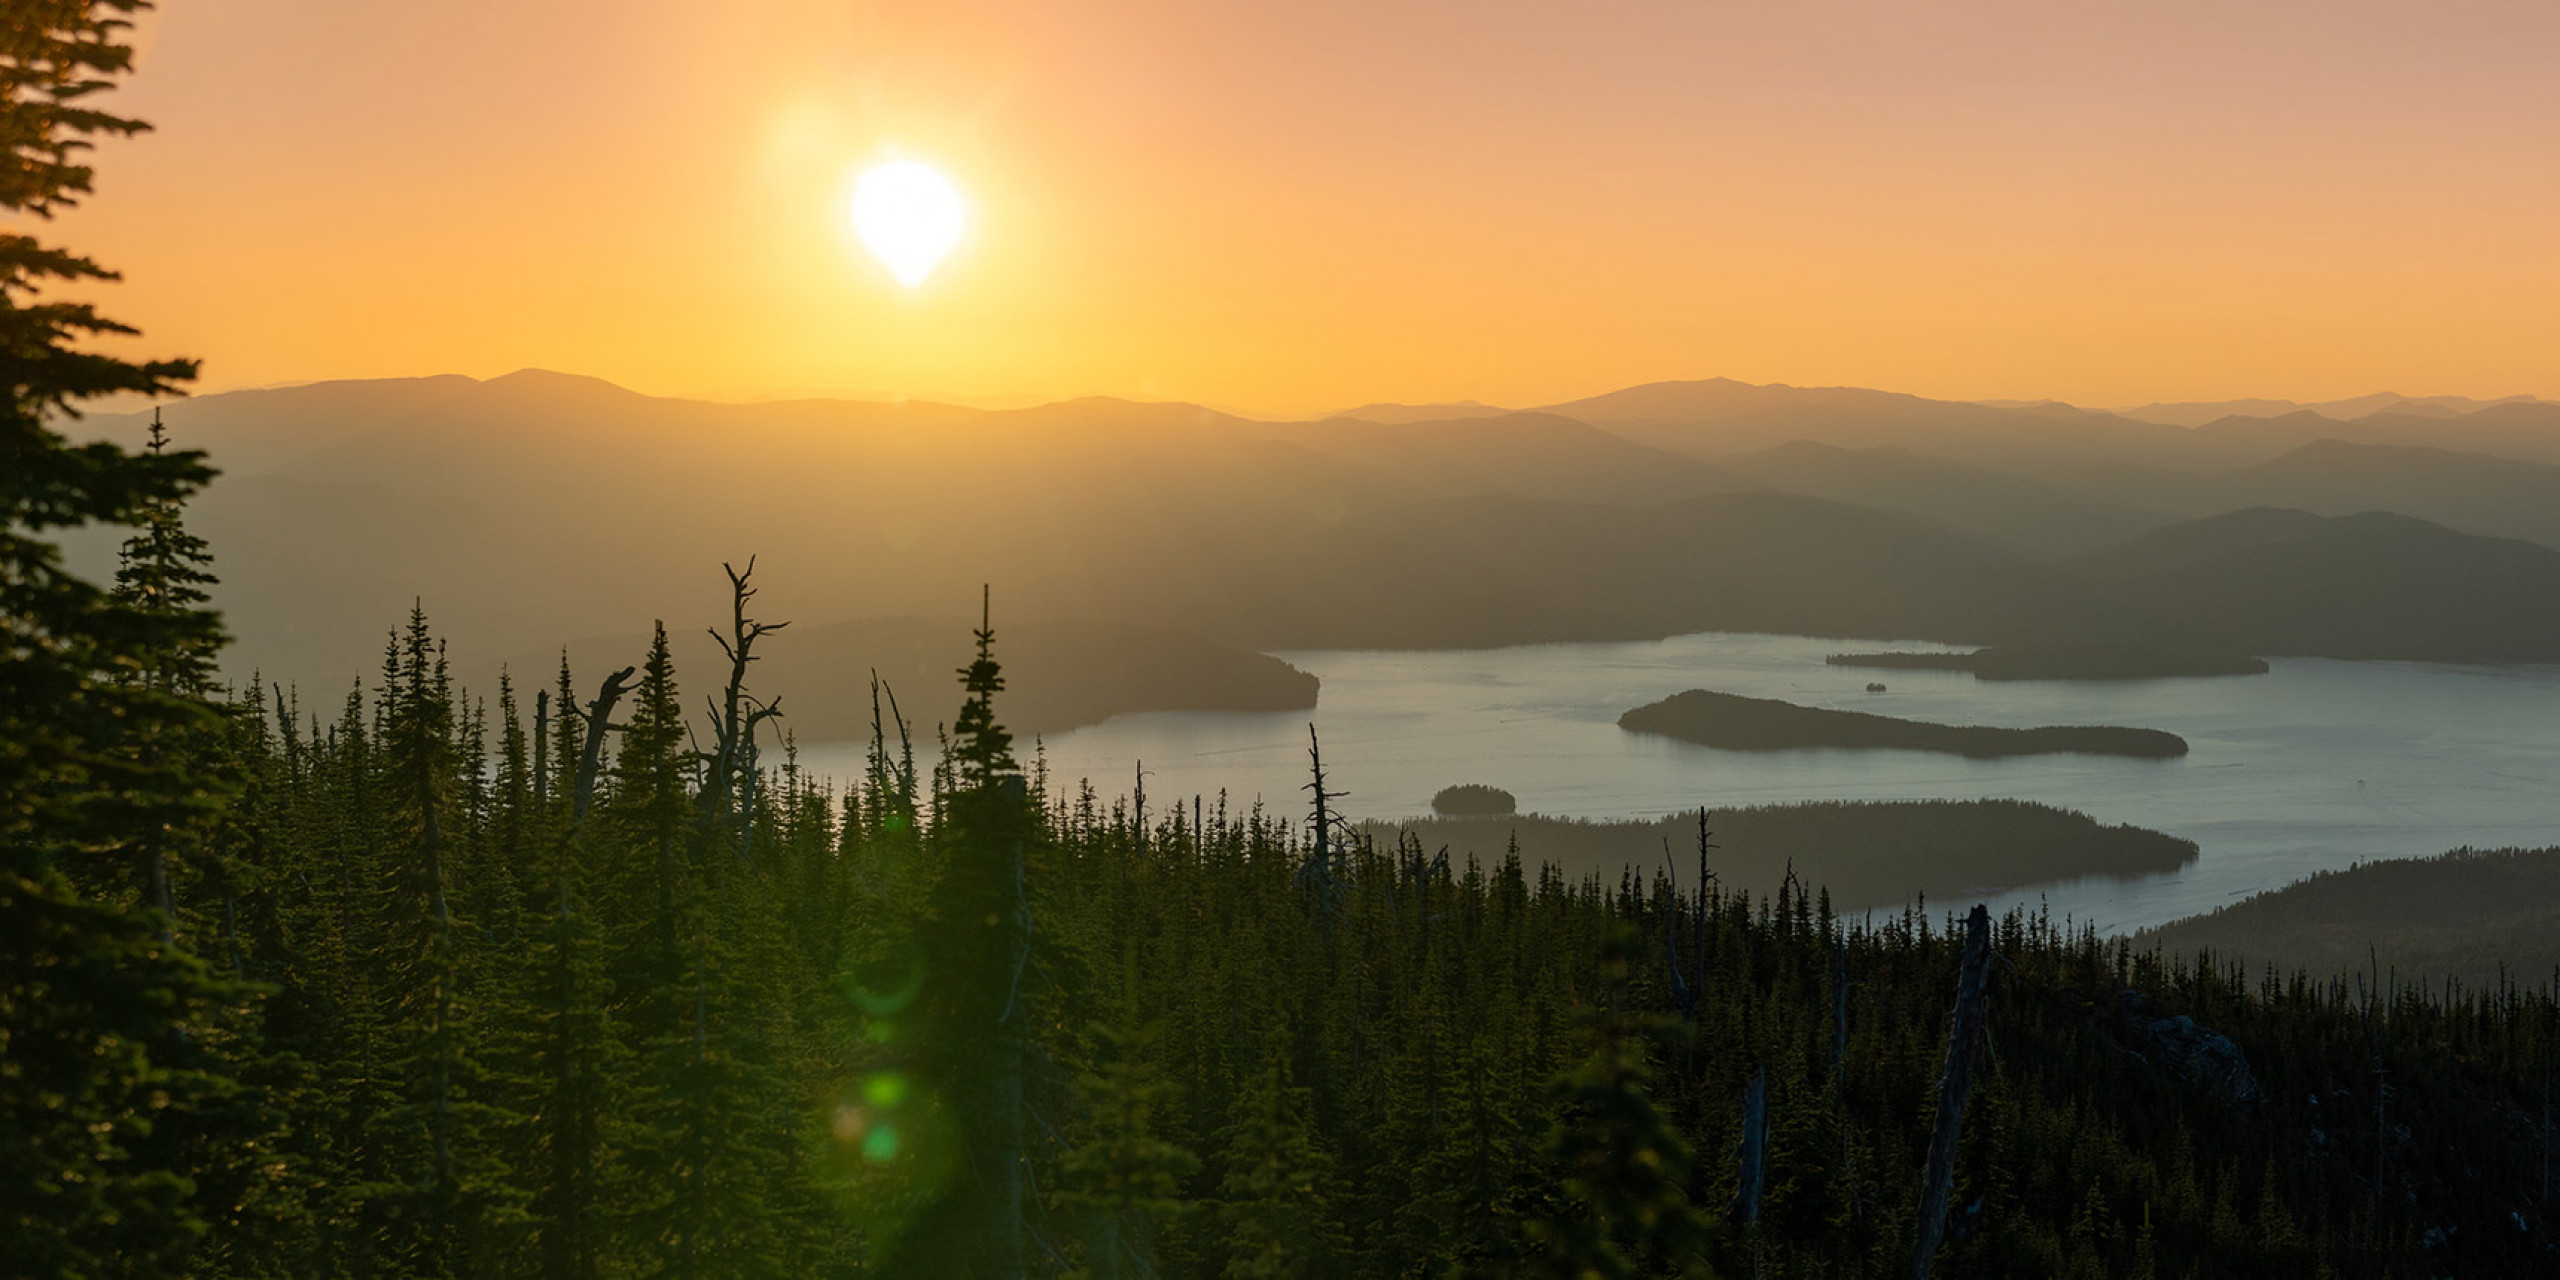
525, 508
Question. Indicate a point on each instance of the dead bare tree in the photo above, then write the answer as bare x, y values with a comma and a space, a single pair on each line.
1839, 1014
1685, 990
730, 767
1840, 1067
1138, 806
1964, 1043
541, 749
599, 720
1754, 1153
1316, 876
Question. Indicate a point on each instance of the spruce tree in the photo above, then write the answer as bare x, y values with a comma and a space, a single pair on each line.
1273, 1211
109, 1071
1627, 1210
1124, 1178
452, 1210
974, 953
575, 1061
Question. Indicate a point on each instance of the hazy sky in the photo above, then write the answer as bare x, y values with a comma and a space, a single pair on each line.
1305, 204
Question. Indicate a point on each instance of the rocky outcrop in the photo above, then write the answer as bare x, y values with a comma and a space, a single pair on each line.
2195, 1053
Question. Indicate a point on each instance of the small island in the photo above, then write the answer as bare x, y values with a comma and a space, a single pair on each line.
1474, 800
2067, 660
1736, 723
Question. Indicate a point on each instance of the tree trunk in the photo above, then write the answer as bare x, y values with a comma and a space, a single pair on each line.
1755, 1151
591, 756
1964, 1040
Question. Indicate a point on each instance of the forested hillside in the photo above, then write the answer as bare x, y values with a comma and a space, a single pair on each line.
530, 986
2474, 917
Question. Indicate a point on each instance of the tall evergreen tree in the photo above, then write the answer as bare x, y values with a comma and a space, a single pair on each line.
569, 1041
1125, 1178
451, 1210
1627, 1210
162, 573
974, 1004
1272, 1208
110, 1066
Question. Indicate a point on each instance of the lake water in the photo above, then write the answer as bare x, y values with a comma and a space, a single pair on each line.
2316, 764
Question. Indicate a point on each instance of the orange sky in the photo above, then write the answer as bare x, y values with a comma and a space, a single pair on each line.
1305, 205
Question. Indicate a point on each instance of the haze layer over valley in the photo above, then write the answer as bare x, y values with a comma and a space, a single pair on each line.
524, 509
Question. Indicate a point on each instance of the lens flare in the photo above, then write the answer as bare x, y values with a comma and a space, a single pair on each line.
887, 1089
881, 1144
909, 217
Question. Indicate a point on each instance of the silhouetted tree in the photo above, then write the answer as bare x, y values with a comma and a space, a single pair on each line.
117, 1099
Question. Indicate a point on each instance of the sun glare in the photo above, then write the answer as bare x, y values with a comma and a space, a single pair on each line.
908, 216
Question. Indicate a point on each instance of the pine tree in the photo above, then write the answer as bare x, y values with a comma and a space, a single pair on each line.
650, 807
1125, 1178
452, 1210
113, 1076
974, 951
1627, 1207
162, 573
1466, 1190
1273, 1211
576, 1060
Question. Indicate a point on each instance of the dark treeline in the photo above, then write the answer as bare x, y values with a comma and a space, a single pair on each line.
1867, 854
574, 985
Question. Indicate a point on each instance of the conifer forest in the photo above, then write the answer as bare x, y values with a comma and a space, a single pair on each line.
585, 976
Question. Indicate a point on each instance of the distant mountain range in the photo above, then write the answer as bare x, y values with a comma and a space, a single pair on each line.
2196, 413
1402, 413
531, 508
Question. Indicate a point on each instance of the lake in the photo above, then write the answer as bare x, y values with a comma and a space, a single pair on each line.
2317, 764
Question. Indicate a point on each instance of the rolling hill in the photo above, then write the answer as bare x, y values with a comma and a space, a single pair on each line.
2272, 582
1718, 417
2471, 492
2527, 430
2468, 915
2030, 516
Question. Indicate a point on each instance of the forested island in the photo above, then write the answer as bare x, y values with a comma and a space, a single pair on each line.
1732, 722
1863, 855
1472, 800
2065, 660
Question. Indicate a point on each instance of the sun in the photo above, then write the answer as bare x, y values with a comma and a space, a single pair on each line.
909, 216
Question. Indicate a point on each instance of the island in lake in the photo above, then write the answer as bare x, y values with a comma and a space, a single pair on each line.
1866, 855
1736, 723
2067, 660
1473, 800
